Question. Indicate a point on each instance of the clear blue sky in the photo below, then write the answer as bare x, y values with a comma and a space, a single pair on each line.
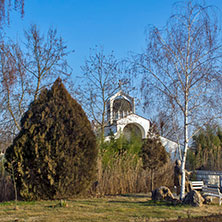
115, 24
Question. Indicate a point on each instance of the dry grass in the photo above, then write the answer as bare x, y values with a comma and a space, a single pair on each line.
132, 208
126, 175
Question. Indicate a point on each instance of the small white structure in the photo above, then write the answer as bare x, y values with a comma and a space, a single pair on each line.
121, 119
171, 147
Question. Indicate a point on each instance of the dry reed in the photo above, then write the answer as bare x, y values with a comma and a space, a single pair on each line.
126, 175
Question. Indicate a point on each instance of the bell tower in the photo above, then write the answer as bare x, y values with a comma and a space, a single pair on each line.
119, 106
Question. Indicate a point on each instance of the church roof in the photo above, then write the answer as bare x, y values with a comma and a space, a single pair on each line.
119, 94
133, 114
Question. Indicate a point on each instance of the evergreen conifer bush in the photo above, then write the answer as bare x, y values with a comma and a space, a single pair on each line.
55, 154
153, 153
206, 152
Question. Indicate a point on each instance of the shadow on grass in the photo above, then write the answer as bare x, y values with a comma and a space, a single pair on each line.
136, 195
10, 203
150, 203
146, 202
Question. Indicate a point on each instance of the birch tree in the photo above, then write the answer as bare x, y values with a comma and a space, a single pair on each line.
181, 65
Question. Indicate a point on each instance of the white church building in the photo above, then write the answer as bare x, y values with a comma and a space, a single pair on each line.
122, 119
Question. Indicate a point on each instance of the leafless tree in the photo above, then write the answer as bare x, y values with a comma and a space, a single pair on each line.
103, 75
46, 57
11, 90
24, 71
181, 66
166, 124
5, 8
13, 82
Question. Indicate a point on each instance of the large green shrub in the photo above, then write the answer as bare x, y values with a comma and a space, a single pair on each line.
54, 155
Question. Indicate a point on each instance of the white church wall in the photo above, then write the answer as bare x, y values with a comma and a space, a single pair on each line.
141, 122
171, 147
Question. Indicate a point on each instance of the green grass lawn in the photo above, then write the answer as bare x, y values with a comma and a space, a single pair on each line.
132, 208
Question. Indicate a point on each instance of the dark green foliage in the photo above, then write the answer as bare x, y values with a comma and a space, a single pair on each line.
153, 153
206, 152
54, 155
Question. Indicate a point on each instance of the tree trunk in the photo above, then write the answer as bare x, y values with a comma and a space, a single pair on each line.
151, 180
14, 183
37, 89
103, 117
182, 192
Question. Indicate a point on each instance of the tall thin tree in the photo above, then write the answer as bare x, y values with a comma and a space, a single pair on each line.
181, 65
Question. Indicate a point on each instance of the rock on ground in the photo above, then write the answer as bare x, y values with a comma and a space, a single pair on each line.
193, 198
162, 193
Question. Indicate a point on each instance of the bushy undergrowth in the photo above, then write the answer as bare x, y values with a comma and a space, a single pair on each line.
120, 169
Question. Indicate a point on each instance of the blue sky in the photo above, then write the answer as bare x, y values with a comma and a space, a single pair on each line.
117, 25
